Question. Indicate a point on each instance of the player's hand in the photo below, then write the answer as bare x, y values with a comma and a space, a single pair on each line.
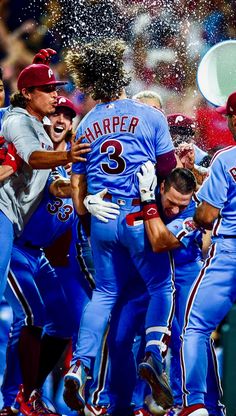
103, 210
185, 152
44, 56
78, 149
147, 181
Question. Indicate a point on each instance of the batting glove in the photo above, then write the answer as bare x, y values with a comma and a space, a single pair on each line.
44, 56
101, 209
147, 182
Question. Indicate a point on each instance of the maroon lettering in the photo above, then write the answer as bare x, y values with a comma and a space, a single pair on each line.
106, 126
115, 123
133, 124
97, 129
89, 135
123, 128
232, 172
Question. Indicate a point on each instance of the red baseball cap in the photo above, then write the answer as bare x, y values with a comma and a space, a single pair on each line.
65, 102
230, 107
181, 124
36, 75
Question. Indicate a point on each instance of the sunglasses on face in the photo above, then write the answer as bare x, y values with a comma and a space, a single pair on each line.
47, 88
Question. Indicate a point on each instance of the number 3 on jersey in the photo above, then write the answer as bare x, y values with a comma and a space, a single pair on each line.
114, 150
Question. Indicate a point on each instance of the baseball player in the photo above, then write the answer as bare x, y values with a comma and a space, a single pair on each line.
35, 292
122, 134
150, 98
177, 210
23, 126
213, 293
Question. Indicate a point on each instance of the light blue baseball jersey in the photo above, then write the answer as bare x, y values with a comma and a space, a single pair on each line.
123, 134
52, 218
219, 190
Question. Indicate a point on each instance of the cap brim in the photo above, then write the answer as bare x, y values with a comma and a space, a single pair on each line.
221, 110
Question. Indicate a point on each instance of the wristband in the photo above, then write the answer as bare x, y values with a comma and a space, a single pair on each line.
12, 158
150, 211
3, 154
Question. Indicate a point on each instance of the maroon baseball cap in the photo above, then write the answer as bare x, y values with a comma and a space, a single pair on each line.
230, 107
65, 102
36, 75
181, 124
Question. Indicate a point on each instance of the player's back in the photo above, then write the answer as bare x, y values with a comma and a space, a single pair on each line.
123, 134
219, 190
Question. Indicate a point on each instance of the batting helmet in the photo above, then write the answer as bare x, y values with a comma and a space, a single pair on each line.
36, 75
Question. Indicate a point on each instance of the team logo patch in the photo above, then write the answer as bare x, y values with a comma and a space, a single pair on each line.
62, 100
151, 211
50, 73
189, 224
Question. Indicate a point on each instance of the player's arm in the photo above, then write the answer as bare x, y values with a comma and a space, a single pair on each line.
60, 188
205, 215
161, 239
42, 159
11, 162
5, 172
78, 193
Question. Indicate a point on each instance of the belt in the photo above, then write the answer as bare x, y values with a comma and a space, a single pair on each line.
121, 200
227, 236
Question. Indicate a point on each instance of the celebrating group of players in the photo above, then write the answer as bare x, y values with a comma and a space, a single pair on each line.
129, 279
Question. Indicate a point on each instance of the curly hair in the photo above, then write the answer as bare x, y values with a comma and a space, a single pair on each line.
98, 68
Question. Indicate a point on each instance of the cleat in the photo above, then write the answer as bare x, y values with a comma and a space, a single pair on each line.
8, 411
154, 408
35, 406
74, 385
194, 410
174, 411
151, 370
142, 412
91, 410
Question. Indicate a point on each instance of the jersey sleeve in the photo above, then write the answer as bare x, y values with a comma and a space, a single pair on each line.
215, 187
24, 137
163, 140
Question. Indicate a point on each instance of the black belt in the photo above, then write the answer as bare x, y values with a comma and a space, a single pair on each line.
227, 236
134, 201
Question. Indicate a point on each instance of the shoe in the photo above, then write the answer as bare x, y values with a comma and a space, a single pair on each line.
194, 410
151, 370
8, 411
142, 412
91, 410
154, 408
74, 386
35, 406
173, 411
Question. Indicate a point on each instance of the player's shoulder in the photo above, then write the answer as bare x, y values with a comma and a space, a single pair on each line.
225, 155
